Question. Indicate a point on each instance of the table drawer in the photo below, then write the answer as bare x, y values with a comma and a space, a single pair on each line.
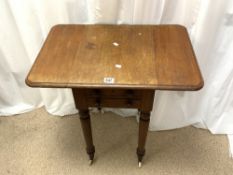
113, 102
114, 93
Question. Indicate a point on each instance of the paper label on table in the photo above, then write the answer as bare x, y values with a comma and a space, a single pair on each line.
109, 80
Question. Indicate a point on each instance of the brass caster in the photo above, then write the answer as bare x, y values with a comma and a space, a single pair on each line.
139, 164
90, 162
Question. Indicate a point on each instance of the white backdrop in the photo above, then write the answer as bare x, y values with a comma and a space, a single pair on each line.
25, 24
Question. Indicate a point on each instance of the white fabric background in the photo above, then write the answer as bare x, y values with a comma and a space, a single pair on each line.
25, 24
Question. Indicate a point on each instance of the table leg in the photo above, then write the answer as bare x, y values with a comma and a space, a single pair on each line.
87, 132
143, 129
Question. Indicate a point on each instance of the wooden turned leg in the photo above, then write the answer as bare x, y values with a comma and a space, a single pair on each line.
143, 129
87, 132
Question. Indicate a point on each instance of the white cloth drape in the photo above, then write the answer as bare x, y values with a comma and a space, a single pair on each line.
25, 24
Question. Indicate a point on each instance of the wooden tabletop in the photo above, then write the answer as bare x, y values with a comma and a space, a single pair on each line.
121, 56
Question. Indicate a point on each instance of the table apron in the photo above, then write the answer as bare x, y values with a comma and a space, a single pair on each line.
117, 98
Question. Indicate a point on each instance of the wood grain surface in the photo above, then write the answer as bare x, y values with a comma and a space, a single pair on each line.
129, 56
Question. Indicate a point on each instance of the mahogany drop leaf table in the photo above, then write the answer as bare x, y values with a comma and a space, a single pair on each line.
116, 66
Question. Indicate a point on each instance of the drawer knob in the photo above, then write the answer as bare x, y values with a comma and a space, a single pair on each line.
98, 103
97, 92
129, 102
130, 93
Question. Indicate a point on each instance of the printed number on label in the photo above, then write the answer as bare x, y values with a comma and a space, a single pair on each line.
108, 80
